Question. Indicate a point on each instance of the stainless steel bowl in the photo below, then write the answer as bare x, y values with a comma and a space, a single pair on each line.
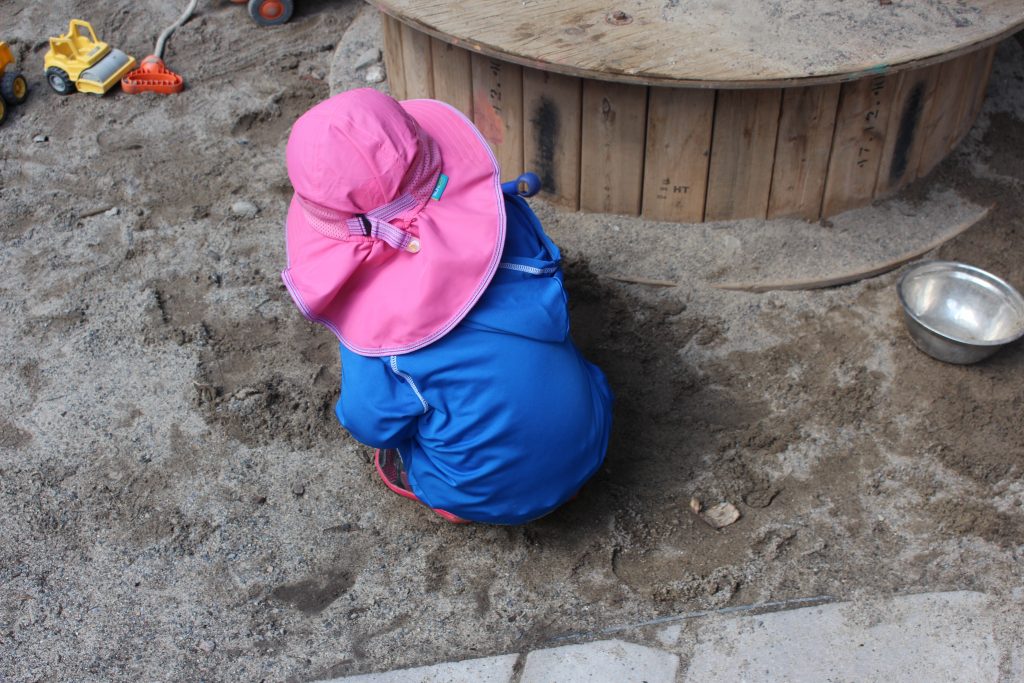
958, 313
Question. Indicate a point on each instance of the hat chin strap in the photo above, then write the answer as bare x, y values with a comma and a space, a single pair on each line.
417, 188
376, 223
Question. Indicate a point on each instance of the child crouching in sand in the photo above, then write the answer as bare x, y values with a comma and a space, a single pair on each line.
447, 298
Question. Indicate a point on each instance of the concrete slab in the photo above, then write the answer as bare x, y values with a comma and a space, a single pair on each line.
605, 660
931, 637
485, 670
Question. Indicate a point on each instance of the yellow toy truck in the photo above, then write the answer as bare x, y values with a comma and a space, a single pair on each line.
13, 87
78, 60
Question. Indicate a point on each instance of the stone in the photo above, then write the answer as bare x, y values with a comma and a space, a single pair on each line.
363, 35
604, 660
375, 74
367, 58
923, 637
486, 670
246, 392
721, 515
244, 209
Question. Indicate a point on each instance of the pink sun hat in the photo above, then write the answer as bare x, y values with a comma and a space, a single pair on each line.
397, 222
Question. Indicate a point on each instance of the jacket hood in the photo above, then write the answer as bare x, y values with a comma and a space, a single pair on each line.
526, 297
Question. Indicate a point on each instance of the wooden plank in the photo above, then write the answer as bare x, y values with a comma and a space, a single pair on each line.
986, 74
742, 150
966, 94
901, 153
806, 126
943, 114
453, 77
979, 87
416, 61
678, 149
393, 60
614, 120
715, 44
498, 110
552, 133
858, 143
972, 78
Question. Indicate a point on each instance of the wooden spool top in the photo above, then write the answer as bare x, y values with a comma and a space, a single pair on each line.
715, 43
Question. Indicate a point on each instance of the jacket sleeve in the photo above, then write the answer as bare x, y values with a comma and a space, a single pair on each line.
379, 405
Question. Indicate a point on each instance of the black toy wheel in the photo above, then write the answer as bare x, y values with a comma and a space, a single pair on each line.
59, 81
3, 110
270, 12
14, 87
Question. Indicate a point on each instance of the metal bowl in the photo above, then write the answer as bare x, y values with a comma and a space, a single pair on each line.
958, 313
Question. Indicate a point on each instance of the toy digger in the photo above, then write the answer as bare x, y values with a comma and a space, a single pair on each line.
13, 87
79, 60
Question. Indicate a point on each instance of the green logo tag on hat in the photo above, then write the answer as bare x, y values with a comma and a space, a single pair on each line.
442, 182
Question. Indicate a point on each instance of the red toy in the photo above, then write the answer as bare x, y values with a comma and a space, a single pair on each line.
269, 12
152, 75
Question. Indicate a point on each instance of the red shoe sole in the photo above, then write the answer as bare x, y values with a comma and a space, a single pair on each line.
392, 476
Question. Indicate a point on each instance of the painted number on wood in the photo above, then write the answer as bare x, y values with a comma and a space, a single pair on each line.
488, 113
666, 189
870, 144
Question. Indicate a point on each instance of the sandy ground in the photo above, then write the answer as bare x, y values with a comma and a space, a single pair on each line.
177, 502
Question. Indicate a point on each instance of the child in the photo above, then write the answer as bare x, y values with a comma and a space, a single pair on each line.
447, 298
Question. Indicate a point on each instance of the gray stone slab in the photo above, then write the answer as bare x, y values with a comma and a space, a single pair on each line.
606, 660
934, 637
486, 670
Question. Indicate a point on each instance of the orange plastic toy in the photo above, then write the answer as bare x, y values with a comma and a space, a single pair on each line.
152, 76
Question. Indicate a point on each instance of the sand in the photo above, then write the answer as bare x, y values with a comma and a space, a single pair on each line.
178, 503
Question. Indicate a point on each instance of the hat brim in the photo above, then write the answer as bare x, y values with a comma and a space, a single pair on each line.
379, 301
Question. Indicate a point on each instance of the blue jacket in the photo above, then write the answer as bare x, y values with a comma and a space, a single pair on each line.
502, 420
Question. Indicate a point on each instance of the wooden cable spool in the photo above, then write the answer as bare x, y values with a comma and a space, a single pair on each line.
687, 116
